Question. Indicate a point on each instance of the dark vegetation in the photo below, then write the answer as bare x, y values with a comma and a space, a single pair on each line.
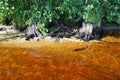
59, 18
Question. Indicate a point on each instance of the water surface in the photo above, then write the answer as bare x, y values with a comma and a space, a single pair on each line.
60, 61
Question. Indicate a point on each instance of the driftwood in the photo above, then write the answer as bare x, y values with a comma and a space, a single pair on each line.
62, 31
32, 32
87, 32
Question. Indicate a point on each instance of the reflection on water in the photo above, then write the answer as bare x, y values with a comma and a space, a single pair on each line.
99, 61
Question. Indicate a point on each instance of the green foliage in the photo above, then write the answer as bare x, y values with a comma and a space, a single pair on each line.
1, 13
23, 12
112, 10
97, 11
93, 12
1, 18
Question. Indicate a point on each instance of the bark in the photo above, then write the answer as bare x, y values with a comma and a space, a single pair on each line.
33, 32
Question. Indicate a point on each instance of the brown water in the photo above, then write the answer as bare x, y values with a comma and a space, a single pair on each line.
60, 61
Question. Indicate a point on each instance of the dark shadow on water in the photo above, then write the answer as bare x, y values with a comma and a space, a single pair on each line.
111, 33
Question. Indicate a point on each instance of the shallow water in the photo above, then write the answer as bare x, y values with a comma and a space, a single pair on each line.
61, 61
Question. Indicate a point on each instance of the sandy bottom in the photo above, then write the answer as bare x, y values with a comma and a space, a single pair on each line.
59, 60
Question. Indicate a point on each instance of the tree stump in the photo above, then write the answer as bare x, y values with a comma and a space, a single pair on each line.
32, 32
88, 31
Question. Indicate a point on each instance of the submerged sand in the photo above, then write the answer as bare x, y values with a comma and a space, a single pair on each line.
67, 59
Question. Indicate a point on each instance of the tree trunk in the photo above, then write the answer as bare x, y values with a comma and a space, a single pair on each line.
33, 32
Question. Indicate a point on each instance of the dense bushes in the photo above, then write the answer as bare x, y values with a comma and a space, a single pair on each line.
22, 12
111, 11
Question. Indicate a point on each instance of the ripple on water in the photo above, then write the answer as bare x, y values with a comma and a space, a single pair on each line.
100, 61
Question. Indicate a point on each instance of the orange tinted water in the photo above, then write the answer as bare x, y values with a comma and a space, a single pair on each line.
60, 61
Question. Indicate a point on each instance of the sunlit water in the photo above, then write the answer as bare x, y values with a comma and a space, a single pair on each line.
60, 61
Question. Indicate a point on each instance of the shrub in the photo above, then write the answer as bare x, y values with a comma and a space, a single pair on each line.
93, 12
22, 12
